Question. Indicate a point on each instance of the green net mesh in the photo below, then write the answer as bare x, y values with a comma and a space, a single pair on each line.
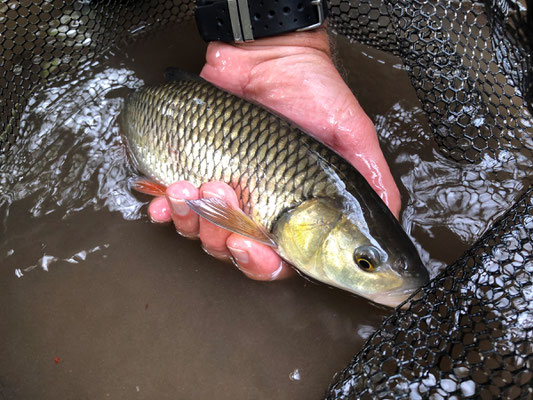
470, 335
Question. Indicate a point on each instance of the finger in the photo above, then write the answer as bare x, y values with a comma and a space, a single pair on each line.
159, 211
256, 260
185, 220
213, 237
369, 160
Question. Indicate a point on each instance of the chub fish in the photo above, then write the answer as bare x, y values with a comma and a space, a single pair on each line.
296, 195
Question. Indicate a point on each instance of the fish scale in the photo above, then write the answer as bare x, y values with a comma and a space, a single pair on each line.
201, 123
322, 215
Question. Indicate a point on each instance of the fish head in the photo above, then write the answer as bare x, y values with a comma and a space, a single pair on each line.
385, 269
325, 240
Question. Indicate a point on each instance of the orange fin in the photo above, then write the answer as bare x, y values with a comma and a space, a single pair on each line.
149, 187
220, 213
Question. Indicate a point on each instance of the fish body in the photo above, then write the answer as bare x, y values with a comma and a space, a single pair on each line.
317, 210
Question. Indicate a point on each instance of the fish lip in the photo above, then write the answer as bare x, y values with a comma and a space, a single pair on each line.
394, 298
412, 284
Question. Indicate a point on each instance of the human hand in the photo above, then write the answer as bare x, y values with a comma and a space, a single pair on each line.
294, 76
256, 260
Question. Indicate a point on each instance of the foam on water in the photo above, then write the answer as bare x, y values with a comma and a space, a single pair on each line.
70, 151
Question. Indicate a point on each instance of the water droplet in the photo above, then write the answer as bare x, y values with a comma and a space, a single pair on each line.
295, 375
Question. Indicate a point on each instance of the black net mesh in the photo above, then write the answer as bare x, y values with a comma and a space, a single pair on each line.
470, 63
44, 40
470, 335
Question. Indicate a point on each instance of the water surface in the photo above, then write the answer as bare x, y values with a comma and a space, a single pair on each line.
97, 302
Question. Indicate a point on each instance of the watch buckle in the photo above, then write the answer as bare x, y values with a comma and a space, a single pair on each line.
241, 24
317, 3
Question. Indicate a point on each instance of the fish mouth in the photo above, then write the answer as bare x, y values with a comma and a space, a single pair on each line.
411, 284
396, 297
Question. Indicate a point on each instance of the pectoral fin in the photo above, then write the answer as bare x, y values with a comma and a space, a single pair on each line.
149, 187
220, 213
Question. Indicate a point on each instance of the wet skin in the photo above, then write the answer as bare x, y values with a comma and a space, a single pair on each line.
294, 76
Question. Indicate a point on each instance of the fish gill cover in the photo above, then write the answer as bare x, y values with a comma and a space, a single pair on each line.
471, 66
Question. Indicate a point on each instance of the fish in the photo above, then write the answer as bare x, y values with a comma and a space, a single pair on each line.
296, 195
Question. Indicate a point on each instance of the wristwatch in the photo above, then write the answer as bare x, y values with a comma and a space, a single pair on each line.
246, 20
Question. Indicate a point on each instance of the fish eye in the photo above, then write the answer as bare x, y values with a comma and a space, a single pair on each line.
367, 258
365, 264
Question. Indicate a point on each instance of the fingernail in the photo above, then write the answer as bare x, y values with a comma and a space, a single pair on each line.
192, 235
156, 220
259, 277
221, 255
276, 273
251, 275
241, 256
179, 207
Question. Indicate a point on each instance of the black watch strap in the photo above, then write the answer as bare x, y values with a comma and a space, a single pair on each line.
243, 20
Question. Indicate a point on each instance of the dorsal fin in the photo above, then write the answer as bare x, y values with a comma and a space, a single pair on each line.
176, 74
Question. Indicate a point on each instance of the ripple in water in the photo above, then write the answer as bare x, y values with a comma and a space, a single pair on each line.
69, 155
446, 198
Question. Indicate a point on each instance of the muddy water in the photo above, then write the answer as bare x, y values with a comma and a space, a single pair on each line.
97, 302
